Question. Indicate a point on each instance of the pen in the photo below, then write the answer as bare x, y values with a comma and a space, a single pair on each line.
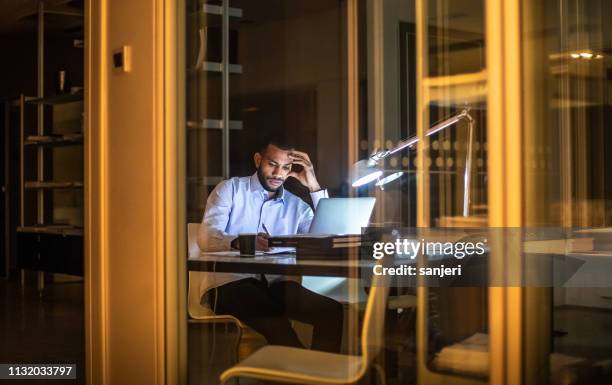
267, 232
265, 228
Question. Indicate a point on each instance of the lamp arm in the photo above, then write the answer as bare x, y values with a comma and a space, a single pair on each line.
465, 114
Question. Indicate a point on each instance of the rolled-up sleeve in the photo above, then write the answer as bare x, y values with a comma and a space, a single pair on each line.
212, 236
308, 215
317, 196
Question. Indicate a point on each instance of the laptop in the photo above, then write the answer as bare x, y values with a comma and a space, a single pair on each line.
335, 216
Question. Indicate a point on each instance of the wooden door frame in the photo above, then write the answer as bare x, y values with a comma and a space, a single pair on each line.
163, 357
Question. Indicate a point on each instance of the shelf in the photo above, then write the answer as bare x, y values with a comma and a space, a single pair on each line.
57, 10
12, 101
52, 185
15, 101
213, 124
54, 140
58, 99
205, 180
52, 229
211, 9
54, 245
217, 67
64, 11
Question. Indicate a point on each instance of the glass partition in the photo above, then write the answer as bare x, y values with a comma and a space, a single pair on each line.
354, 80
341, 81
567, 73
451, 167
285, 78
257, 70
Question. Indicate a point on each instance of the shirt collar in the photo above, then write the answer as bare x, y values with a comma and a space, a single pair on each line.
255, 186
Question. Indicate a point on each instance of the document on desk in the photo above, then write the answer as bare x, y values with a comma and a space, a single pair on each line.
272, 251
232, 253
277, 250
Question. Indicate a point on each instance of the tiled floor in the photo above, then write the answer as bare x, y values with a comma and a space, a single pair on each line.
47, 329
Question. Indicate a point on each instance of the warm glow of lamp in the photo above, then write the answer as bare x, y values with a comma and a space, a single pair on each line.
389, 178
364, 172
367, 170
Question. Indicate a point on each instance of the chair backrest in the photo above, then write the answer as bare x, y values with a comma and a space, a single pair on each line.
192, 239
195, 308
373, 332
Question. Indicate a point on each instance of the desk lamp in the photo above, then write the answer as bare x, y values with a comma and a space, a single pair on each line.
367, 170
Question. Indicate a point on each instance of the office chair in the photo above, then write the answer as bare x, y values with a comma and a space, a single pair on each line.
199, 312
303, 366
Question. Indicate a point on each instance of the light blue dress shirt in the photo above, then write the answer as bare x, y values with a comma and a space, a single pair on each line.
242, 205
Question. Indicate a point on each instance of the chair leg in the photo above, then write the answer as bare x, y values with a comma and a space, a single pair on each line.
238, 349
381, 374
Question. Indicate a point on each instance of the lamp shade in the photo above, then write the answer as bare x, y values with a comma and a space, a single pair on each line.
364, 172
389, 178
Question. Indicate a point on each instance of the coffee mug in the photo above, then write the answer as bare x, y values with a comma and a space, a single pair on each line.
246, 243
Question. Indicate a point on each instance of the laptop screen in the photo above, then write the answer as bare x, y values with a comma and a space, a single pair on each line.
342, 215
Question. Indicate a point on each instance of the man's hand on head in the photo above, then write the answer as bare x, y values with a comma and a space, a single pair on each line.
261, 244
306, 176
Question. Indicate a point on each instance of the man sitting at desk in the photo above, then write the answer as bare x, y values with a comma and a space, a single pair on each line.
259, 204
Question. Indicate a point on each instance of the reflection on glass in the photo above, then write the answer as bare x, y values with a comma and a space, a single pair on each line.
456, 78
285, 77
566, 48
453, 173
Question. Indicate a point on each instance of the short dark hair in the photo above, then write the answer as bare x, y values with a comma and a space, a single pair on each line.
274, 140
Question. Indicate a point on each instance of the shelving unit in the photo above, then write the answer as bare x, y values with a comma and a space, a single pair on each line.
52, 185
212, 66
54, 230
217, 67
212, 9
213, 124
54, 140
56, 99
45, 243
